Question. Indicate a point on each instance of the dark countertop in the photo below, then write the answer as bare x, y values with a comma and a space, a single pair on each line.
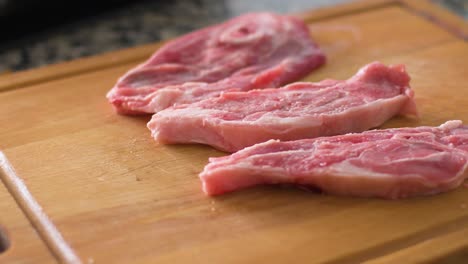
139, 23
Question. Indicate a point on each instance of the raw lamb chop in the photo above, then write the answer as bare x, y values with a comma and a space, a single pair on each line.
236, 120
256, 50
391, 163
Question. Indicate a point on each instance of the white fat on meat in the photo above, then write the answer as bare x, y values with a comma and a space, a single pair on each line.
390, 163
236, 120
252, 51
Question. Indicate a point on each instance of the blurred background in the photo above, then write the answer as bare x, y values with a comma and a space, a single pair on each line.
36, 33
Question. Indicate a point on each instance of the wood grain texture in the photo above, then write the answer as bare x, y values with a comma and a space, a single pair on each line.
23, 79
119, 197
39, 220
25, 246
448, 248
440, 16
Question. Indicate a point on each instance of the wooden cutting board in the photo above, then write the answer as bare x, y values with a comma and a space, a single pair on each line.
100, 190
19, 243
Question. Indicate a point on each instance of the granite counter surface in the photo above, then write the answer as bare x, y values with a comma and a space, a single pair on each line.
135, 24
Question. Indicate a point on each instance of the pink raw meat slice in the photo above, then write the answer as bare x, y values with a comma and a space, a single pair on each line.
301, 110
391, 163
256, 50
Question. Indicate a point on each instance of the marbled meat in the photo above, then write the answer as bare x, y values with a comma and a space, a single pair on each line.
236, 120
256, 50
390, 163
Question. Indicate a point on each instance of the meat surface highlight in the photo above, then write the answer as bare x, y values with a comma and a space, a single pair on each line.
236, 120
256, 50
391, 163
